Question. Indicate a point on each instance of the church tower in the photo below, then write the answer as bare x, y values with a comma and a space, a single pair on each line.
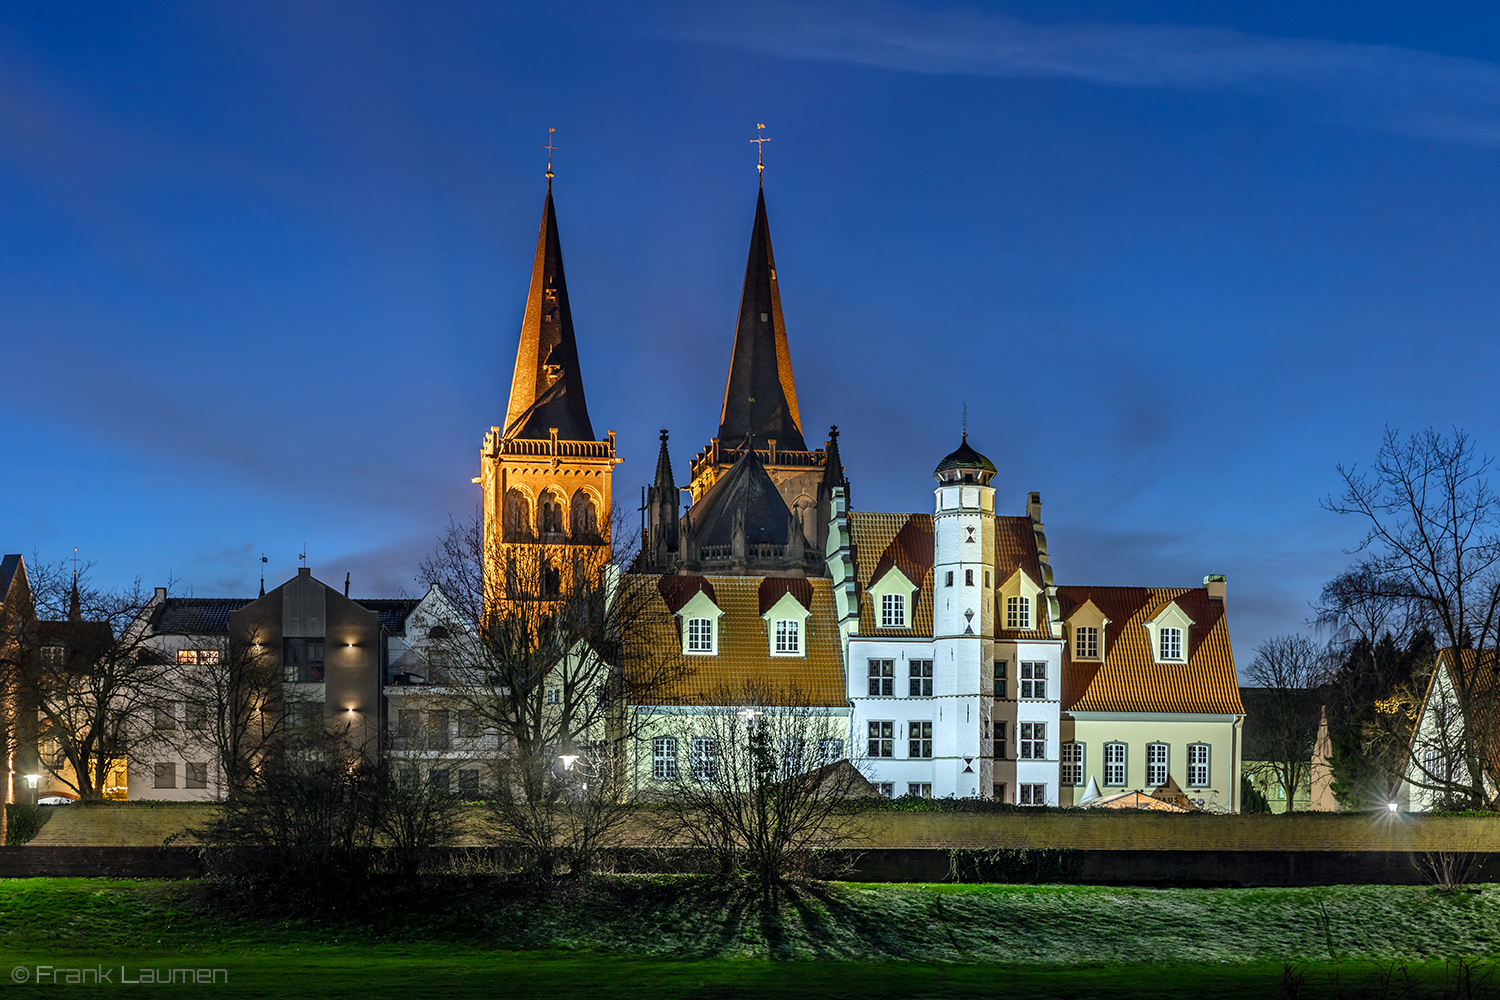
760, 398
547, 499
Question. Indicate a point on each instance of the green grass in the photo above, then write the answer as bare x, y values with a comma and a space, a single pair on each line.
678, 937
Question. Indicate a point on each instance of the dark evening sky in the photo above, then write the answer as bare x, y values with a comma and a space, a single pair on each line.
262, 266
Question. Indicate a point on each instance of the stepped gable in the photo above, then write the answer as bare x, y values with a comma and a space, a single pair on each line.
745, 487
1130, 679
546, 390
773, 588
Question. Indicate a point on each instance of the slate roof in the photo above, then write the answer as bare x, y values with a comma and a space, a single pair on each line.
746, 485
1129, 679
393, 611
744, 651
196, 615
8, 567
760, 397
546, 390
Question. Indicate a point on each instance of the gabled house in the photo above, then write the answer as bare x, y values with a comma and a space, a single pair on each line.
1458, 722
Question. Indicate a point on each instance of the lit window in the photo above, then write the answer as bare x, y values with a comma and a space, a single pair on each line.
1114, 764
205, 657
919, 739
1071, 772
788, 637
1086, 642
1171, 644
1018, 612
700, 633
920, 672
1156, 764
893, 611
1033, 742
1033, 795
664, 758
882, 677
1197, 765
882, 739
705, 758
1033, 680
919, 789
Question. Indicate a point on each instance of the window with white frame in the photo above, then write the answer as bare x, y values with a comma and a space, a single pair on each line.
882, 739
1157, 756
1033, 743
886, 788
919, 789
705, 758
1086, 642
1018, 612
1197, 765
1114, 764
1071, 772
919, 739
830, 751
1171, 644
1033, 795
1034, 680
788, 637
664, 758
893, 611
920, 678
700, 635
882, 677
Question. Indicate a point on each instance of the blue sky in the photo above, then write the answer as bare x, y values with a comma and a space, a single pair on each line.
262, 266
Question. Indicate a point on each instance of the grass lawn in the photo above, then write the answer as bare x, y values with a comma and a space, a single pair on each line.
677, 937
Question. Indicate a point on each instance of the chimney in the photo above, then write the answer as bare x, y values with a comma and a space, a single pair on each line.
1034, 508
1215, 584
161, 594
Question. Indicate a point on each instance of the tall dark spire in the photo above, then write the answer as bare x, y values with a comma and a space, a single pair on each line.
833, 467
661, 505
760, 398
664, 482
547, 389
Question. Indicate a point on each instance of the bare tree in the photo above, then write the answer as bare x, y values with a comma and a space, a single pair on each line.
1432, 560
87, 682
1289, 670
536, 653
414, 813
758, 782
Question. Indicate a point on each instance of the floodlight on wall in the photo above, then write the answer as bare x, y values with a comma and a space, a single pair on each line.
1392, 806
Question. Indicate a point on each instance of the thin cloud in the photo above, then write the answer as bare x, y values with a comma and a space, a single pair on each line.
1374, 86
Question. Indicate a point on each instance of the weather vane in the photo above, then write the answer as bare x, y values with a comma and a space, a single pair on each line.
760, 160
549, 148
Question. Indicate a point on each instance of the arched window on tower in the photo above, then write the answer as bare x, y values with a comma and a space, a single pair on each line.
551, 513
517, 516
585, 517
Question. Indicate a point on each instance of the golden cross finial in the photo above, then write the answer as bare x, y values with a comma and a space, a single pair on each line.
760, 160
549, 148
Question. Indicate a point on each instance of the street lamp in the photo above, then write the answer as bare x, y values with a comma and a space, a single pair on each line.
31, 780
1392, 807
749, 715
568, 754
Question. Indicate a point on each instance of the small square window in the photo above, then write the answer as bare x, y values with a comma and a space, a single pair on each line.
166, 775
1033, 742
882, 677
197, 775
919, 739
1033, 795
886, 788
920, 677
919, 789
882, 739
1034, 680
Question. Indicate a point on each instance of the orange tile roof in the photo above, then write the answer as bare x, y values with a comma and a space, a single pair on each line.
744, 656
874, 538
1129, 679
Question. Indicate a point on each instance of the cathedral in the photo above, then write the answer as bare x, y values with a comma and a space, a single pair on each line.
935, 647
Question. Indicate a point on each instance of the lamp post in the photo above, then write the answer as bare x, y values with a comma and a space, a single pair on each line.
31, 780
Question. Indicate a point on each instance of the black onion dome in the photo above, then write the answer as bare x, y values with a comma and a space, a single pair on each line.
965, 458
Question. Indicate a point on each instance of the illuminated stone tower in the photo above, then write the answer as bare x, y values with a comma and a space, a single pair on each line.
547, 498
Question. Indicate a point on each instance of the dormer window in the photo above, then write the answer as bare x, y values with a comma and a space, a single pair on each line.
700, 635
1167, 632
1086, 643
788, 638
1171, 644
1018, 612
893, 611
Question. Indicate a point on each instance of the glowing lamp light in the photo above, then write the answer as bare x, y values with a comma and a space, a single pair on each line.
32, 779
568, 754
1391, 806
